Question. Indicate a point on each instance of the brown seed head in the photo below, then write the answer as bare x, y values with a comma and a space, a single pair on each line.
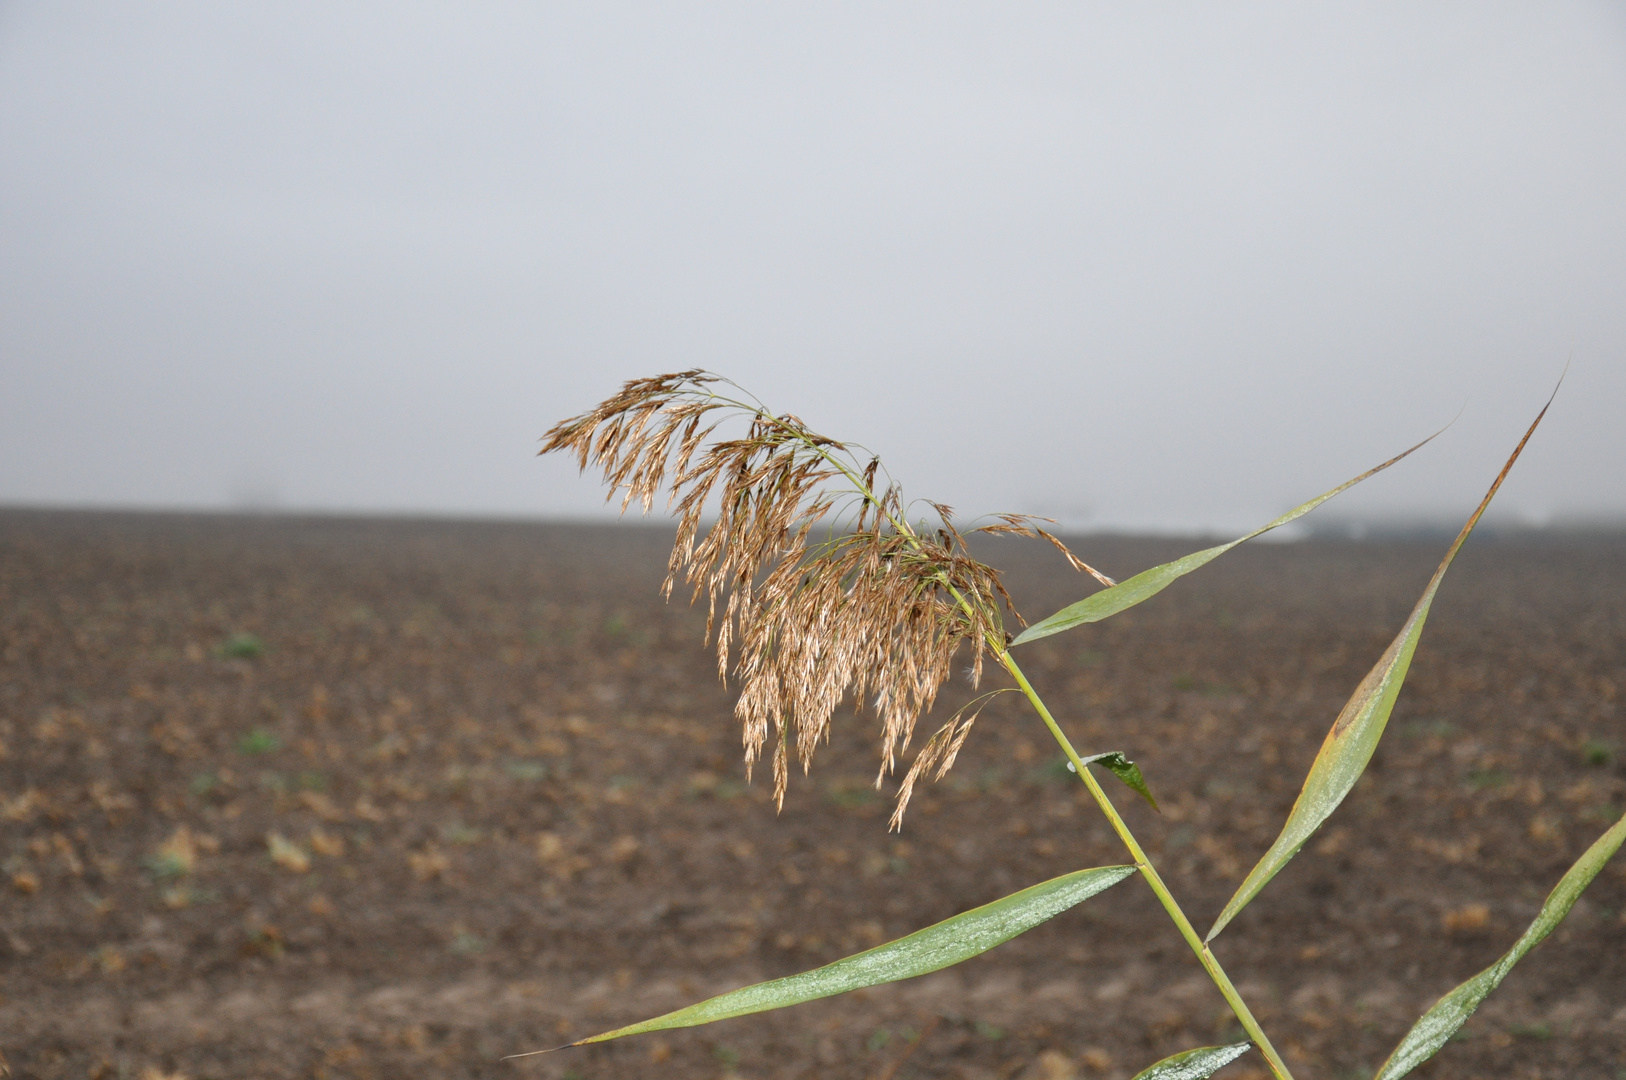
875, 610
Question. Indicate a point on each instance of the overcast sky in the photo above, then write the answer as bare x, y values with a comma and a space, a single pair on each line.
1132, 265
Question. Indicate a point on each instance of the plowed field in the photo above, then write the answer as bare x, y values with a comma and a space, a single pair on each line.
343, 798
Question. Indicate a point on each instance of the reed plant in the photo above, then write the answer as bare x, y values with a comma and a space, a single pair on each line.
822, 588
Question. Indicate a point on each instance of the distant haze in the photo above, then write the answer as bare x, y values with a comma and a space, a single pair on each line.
1170, 267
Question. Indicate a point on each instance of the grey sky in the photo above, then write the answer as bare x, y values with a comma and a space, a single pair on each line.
1173, 266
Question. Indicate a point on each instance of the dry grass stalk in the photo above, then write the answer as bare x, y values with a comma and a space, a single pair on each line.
873, 607
936, 758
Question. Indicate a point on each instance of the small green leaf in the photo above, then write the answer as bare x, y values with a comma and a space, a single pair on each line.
1148, 583
259, 741
941, 945
241, 647
1124, 769
1355, 734
1198, 1064
1437, 1025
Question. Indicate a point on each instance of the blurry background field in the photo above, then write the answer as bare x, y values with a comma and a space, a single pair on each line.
287, 797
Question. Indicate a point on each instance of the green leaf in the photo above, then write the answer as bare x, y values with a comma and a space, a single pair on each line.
941, 945
1198, 1064
1355, 734
1148, 583
1437, 1025
1124, 769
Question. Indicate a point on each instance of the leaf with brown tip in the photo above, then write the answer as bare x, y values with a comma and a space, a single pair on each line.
1355, 734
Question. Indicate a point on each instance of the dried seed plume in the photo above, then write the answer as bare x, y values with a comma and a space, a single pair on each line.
826, 590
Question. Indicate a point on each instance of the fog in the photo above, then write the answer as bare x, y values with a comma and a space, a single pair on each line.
1166, 267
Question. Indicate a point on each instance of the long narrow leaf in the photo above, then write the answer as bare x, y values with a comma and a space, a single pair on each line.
1198, 1064
1148, 583
1355, 734
1453, 1010
941, 945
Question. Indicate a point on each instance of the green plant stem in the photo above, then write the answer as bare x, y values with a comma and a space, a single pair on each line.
1205, 956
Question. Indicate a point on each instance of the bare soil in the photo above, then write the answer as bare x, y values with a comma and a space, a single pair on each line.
342, 798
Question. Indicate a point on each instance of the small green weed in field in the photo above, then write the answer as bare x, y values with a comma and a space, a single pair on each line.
259, 741
1428, 728
241, 647
468, 944
175, 857
851, 793
527, 771
1488, 779
165, 865
461, 835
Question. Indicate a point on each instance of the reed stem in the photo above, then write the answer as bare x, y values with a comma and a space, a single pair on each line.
1205, 955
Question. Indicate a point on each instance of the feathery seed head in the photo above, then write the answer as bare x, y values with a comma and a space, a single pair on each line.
875, 610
